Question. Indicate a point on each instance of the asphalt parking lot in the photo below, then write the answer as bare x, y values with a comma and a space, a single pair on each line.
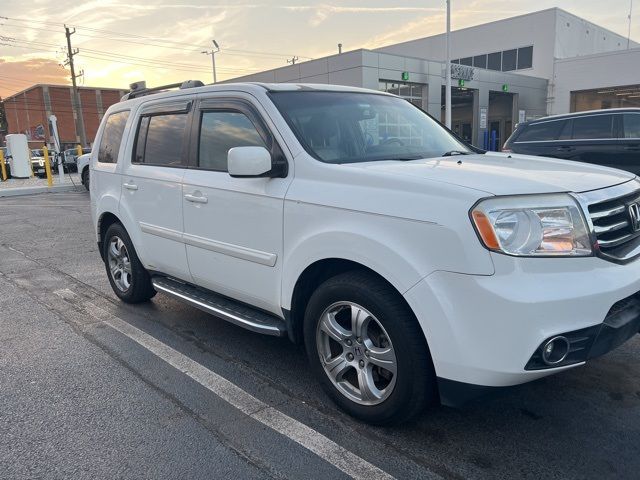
93, 388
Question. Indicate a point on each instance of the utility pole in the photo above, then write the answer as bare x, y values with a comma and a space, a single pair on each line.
213, 52
292, 61
447, 94
71, 52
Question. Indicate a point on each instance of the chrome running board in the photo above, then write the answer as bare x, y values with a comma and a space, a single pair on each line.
222, 307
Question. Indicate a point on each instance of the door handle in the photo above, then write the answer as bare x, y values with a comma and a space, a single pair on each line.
130, 186
633, 147
565, 148
196, 199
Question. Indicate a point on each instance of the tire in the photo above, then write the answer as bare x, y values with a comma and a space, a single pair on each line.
390, 330
86, 179
132, 284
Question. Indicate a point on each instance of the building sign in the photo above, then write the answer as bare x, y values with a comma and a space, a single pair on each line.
521, 116
405, 76
483, 117
505, 87
460, 82
462, 72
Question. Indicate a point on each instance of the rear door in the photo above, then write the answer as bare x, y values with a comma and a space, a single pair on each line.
594, 140
152, 186
630, 142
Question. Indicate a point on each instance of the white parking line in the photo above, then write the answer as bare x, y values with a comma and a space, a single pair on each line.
327, 449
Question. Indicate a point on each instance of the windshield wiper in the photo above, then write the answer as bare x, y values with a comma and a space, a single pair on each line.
451, 153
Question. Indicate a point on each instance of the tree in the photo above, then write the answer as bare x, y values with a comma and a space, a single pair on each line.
3, 118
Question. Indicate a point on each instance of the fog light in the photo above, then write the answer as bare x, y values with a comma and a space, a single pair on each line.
555, 350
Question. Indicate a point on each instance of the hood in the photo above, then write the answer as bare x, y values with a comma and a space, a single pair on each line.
505, 174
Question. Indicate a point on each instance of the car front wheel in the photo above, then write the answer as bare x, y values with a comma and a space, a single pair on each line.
367, 349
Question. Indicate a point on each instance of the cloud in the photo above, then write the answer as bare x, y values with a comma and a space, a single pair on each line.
18, 74
323, 11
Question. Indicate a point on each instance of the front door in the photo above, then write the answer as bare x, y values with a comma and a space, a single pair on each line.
152, 187
233, 226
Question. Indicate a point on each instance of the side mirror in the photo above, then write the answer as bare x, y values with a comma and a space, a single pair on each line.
248, 162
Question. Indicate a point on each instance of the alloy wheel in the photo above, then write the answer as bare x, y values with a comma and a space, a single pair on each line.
356, 353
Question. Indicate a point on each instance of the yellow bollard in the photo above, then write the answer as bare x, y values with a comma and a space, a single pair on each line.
2, 166
79, 149
47, 166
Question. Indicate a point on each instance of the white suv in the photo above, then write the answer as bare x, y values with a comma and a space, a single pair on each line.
411, 265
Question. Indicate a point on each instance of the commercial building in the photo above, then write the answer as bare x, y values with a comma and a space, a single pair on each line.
28, 112
504, 72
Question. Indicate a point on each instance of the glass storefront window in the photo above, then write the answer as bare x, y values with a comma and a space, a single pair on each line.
610, 97
412, 92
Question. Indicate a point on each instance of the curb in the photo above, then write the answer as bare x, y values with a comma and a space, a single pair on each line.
18, 191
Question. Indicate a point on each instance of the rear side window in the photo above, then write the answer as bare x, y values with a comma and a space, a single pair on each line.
593, 127
631, 125
544, 131
160, 139
112, 137
219, 132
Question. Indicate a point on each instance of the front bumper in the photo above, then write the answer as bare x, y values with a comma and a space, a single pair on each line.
485, 330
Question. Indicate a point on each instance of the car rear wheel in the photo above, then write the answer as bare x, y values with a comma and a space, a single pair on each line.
367, 349
129, 280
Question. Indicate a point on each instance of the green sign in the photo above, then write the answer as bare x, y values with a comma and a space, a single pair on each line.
461, 82
405, 76
505, 88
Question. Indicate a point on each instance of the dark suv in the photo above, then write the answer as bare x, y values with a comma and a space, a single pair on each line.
604, 137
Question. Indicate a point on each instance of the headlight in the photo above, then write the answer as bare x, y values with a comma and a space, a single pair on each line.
532, 225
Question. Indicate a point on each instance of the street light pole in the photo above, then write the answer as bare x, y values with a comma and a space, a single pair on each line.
213, 58
447, 95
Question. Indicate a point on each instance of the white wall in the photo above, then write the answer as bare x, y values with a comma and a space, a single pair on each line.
594, 71
546, 30
576, 36
535, 29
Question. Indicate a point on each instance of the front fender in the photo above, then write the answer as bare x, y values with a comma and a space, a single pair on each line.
400, 250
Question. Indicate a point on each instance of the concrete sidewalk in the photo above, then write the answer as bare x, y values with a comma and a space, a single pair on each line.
30, 186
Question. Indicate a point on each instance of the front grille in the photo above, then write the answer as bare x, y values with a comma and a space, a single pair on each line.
613, 226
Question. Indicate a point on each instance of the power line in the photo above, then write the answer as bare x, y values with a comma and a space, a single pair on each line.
160, 40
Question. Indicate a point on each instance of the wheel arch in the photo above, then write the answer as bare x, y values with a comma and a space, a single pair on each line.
105, 220
312, 277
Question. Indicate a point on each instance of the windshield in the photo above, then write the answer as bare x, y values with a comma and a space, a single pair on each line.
348, 127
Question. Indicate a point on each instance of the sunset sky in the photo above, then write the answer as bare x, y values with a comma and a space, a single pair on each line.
121, 42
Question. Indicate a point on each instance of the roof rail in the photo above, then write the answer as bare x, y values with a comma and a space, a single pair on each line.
139, 89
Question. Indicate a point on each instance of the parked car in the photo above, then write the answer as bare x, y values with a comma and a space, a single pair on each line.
37, 162
349, 220
603, 137
83, 169
70, 159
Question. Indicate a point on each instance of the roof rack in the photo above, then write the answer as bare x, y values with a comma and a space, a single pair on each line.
139, 89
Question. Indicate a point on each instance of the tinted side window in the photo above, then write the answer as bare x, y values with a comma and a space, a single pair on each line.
112, 137
631, 125
542, 131
221, 131
160, 139
593, 127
